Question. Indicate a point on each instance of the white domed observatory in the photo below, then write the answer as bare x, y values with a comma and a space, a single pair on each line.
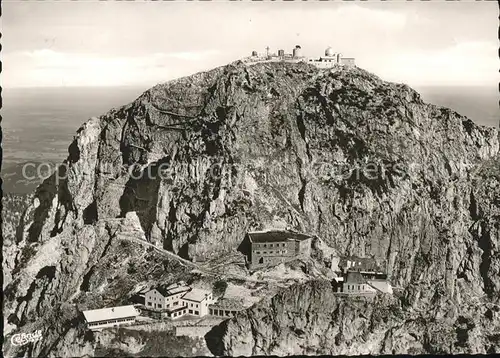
329, 52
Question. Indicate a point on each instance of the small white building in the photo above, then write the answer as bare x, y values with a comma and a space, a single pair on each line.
110, 317
166, 297
197, 301
355, 283
178, 299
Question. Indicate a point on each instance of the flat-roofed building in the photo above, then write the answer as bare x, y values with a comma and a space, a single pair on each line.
226, 307
197, 301
348, 61
110, 317
273, 247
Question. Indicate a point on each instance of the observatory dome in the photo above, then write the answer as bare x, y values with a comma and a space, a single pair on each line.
329, 52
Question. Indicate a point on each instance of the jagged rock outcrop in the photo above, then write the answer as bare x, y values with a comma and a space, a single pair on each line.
364, 164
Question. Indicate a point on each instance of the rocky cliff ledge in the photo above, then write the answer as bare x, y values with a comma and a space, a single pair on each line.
311, 319
269, 145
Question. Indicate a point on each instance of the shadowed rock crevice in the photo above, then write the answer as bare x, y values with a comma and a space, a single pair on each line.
74, 152
213, 340
141, 194
85, 285
486, 260
90, 213
44, 194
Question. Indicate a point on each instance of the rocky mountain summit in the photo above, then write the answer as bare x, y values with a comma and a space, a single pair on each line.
192, 165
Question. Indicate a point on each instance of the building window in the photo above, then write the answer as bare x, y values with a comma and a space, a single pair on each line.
197, 313
196, 305
271, 245
265, 245
191, 311
159, 305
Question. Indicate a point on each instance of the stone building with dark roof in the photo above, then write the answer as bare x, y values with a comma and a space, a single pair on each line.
272, 247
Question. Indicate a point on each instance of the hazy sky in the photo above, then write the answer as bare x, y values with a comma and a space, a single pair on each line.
90, 43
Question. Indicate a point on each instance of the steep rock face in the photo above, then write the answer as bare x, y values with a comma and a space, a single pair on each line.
311, 319
13, 207
270, 145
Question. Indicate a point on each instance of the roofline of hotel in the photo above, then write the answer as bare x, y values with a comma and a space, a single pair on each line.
367, 271
191, 300
267, 230
170, 295
249, 233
